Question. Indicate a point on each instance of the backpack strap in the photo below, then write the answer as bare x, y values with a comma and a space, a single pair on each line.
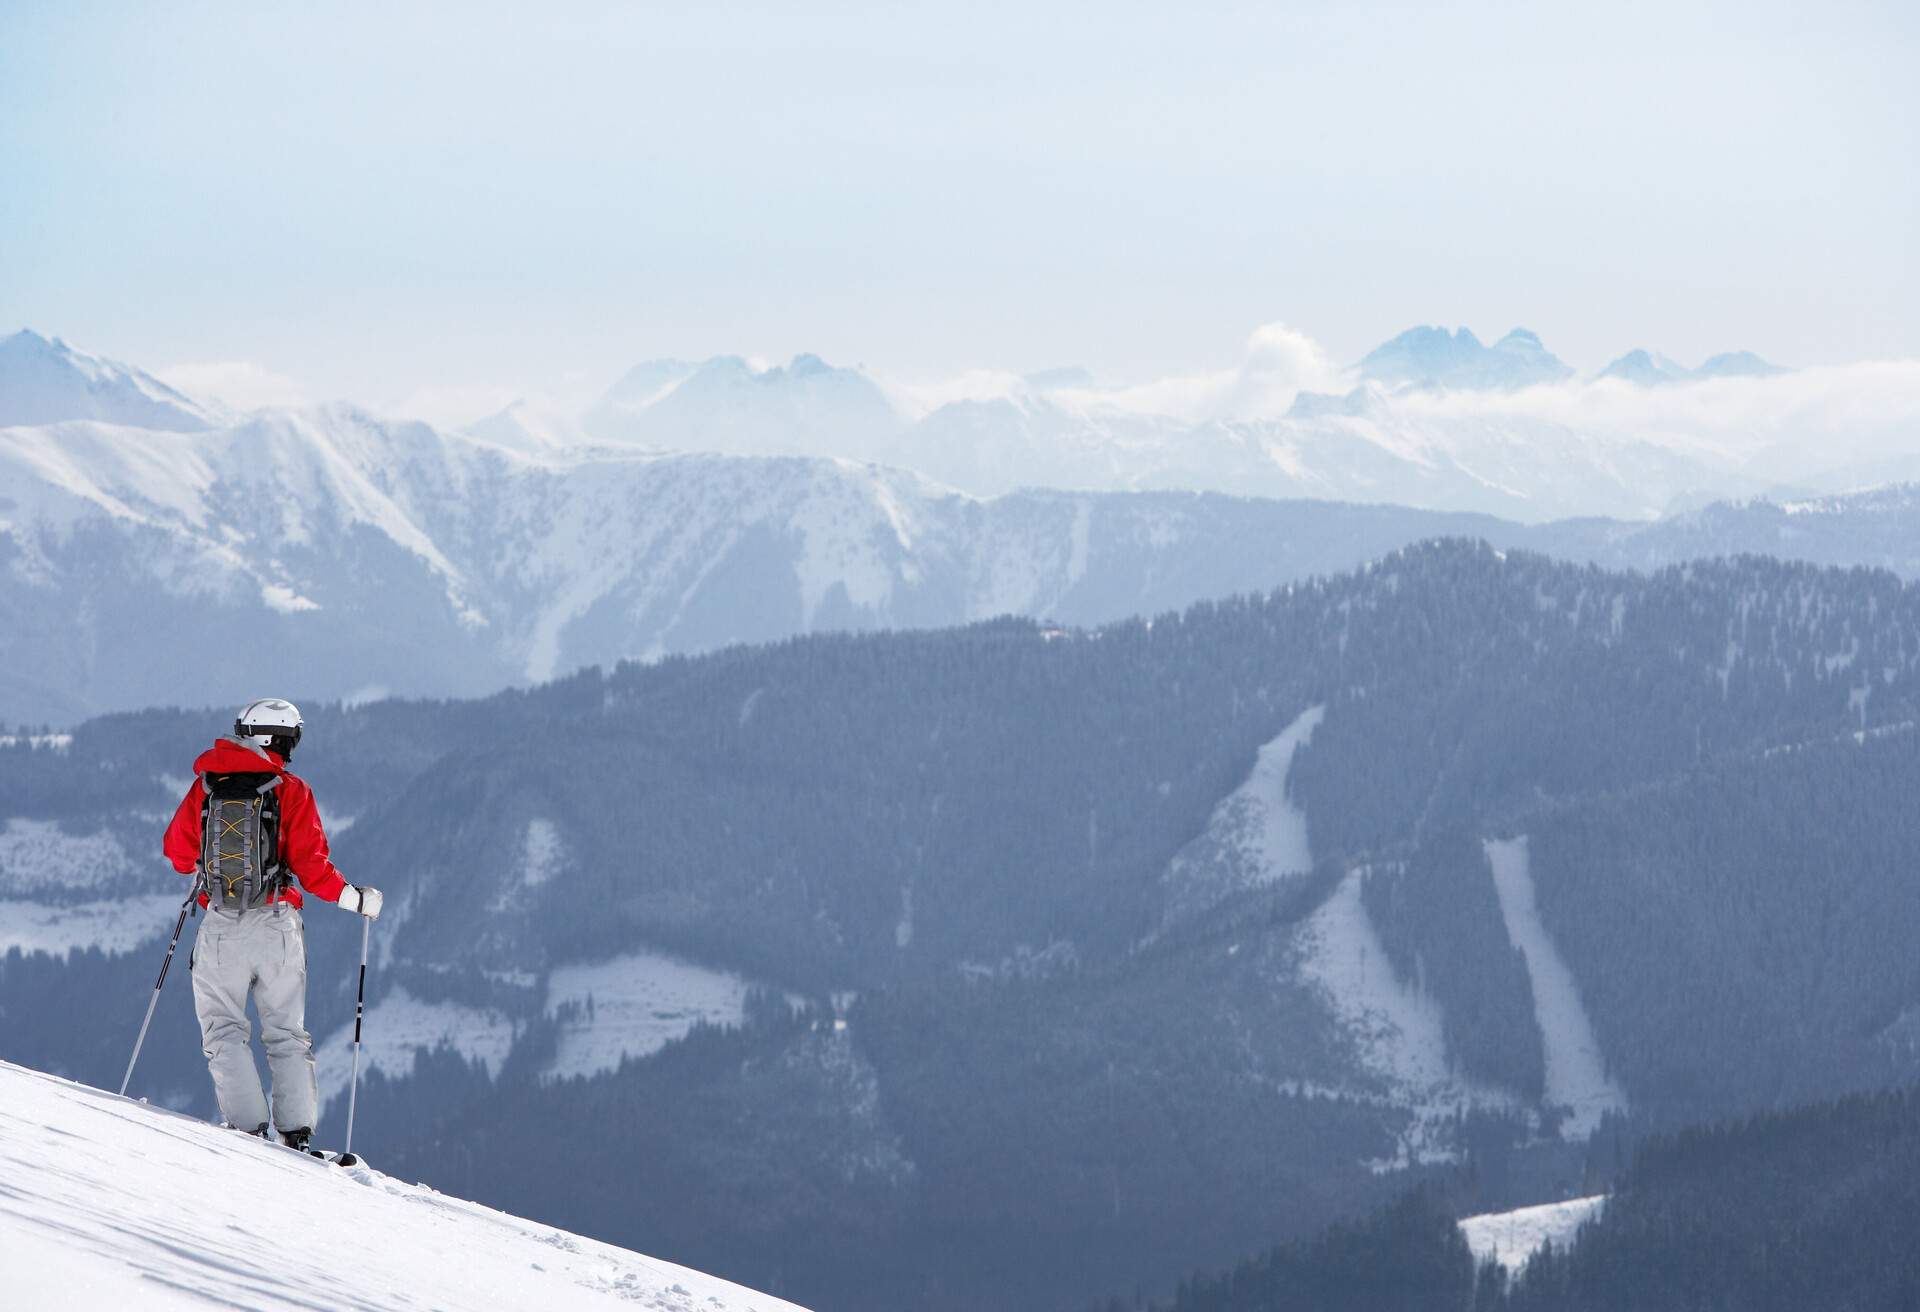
272, 870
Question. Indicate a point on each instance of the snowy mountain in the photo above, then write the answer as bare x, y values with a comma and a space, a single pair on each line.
1433, 357
1645, 368
1737, 364
357, 556
1432, 418
726, 404
1651, 369
45, 381
108, 1203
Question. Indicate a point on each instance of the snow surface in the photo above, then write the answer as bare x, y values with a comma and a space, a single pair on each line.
1397, 1032
397, 1027
111, 1204
1510, 1238
38, 856
642, 1001
1255, 836
112, 926
1280, 838
1576, 1072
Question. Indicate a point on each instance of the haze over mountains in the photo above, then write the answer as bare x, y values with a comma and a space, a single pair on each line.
367, 555
1393, 430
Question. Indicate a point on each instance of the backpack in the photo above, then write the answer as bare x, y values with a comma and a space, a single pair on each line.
240, 839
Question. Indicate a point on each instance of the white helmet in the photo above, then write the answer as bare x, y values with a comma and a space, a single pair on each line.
271, 722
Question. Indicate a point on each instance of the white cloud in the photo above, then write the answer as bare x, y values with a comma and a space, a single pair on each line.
236, 384
1787, 427
918, 398
454, 405
1280, 363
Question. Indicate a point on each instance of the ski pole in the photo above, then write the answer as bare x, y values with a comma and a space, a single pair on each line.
154, 1001
359, 1010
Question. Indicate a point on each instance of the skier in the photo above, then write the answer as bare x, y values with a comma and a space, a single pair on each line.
245, 823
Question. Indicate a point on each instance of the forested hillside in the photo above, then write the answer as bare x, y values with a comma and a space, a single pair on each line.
1779, 1212
1013, 965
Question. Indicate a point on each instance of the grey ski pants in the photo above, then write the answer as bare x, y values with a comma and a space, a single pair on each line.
263, 951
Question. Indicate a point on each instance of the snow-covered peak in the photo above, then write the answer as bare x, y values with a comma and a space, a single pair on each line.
119, 1204
1521, 359
1646, 368
45, 381
529, 427
1326, 405
1433, 357
1650, 369
1422, 354
807, 407
1737, 364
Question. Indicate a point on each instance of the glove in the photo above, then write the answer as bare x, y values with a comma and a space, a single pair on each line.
367, 901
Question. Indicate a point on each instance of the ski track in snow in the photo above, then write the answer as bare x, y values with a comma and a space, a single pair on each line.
642, 1001
1510, 1238
1397, 1033
1576, 1073
1256, 834
1281, 835
120, 1205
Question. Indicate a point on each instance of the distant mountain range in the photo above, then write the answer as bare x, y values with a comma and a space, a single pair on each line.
1433, 422
1650, 369
355, 555
1060, 429
1433, 357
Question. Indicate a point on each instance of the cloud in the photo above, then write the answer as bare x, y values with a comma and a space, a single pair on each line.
1787, 427
1279, 363
236, 384
454, 405
920, 397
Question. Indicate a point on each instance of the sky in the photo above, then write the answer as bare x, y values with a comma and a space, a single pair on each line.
437, 206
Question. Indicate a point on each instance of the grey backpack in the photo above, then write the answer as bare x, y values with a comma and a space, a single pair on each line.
240, 839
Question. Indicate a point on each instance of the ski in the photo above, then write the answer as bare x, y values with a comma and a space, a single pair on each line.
331, 1157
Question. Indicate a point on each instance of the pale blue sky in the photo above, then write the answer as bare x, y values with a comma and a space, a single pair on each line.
376, 198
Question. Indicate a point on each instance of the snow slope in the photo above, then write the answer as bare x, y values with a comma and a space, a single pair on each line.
1255, 836
640, 1001
43, 381
1576, 1072
1396, 1031
1510, 1238
111, 1204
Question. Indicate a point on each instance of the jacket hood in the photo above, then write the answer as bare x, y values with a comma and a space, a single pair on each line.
231, 756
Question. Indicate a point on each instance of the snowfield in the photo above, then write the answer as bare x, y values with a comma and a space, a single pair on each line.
641, 1001
1256, 834
1396, 1030
108, 1203
1576, 1070
1510, 1238
113, 926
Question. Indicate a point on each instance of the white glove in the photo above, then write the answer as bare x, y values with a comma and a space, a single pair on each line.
367, 901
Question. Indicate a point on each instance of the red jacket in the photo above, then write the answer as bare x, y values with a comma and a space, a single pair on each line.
303, 843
